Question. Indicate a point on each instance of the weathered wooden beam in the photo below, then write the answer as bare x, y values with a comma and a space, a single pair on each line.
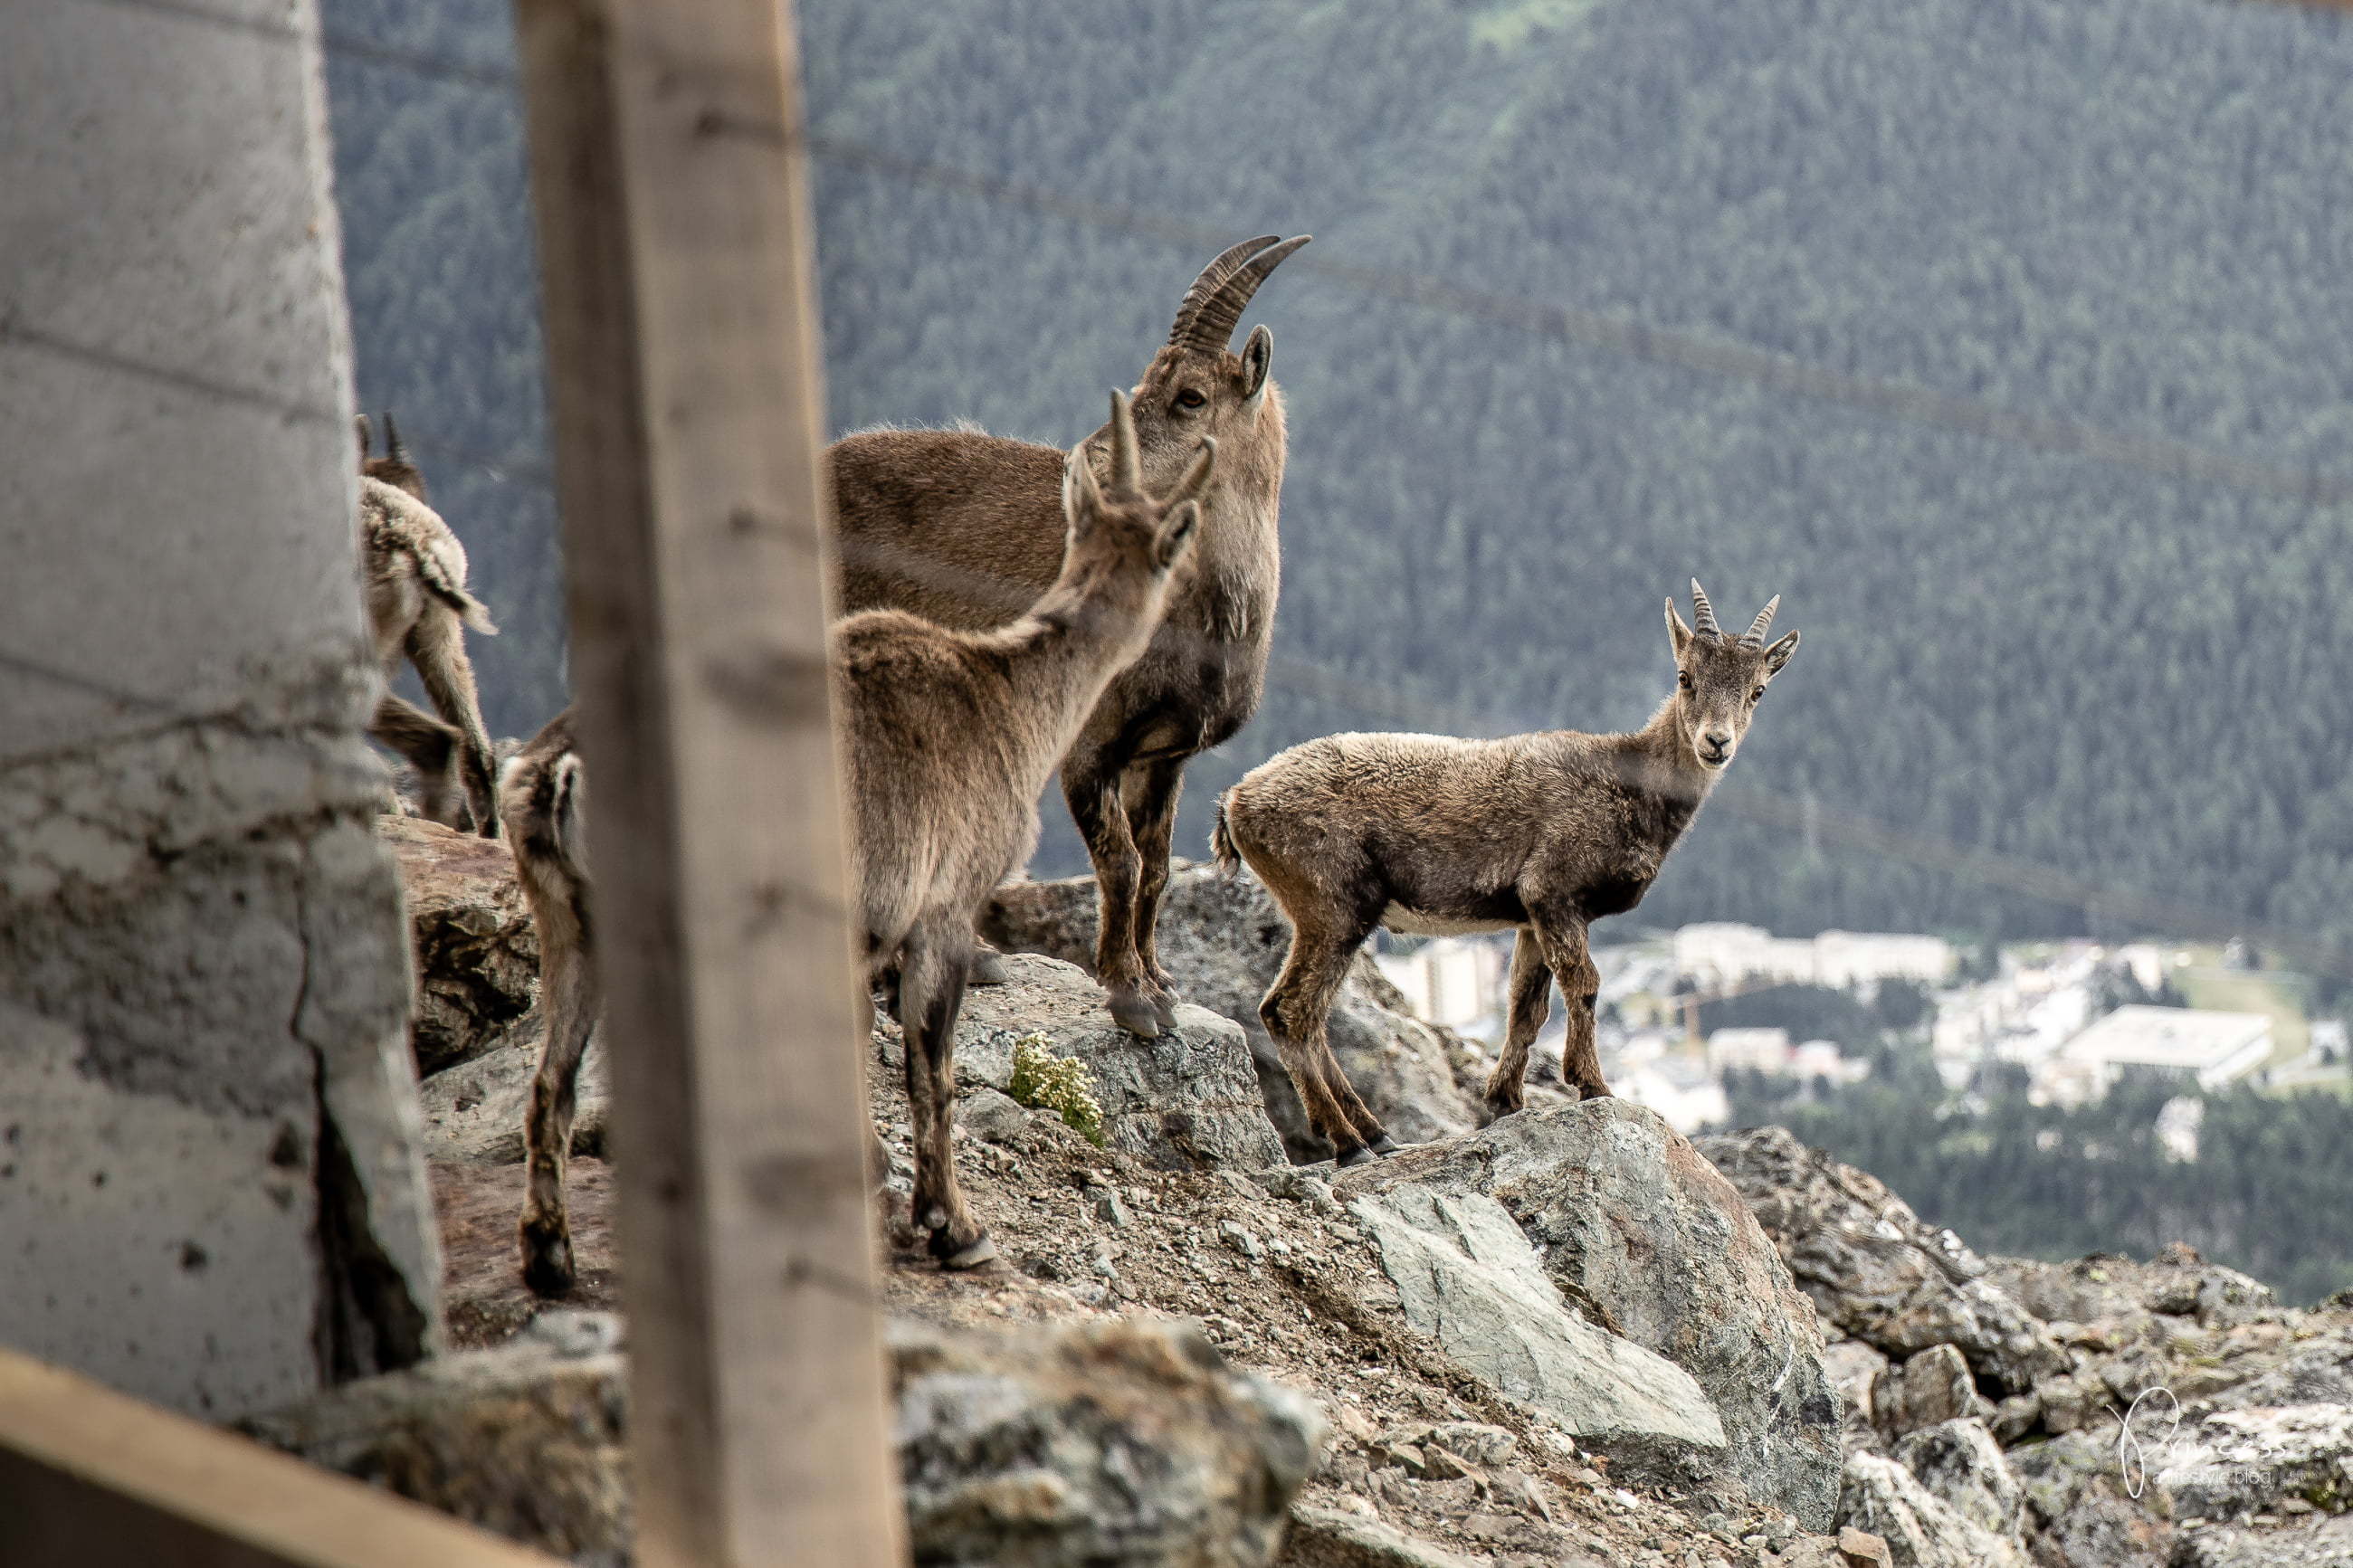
668, 176
100, 1480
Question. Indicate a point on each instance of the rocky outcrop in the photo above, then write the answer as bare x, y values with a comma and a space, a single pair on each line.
1875, 1269
1094, 1446
477, 956
1649, 1243
474, 1111
1468, 1277
1224, 941
1962, 1468
1921, 1530
1186, 1101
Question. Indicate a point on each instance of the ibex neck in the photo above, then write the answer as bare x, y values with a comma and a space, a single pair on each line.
1660, 760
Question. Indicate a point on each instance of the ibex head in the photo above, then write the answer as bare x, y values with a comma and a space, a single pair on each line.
1196, 388
394, 467
1719, 676
1120, 527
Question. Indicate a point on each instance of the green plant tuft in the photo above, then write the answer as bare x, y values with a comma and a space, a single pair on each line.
1058, 1084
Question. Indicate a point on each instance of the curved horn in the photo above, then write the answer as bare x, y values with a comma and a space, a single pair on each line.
1702, 613
392, 443
1196, 474
1214, 277
1126, 463
1755, 635
1213, 325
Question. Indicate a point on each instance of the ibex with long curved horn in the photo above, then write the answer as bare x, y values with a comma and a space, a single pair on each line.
946, 740
1540, 834
966, 529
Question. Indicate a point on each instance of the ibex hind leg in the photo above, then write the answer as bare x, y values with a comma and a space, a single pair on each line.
1530, 1003
930, 996
429, 746
1297, 1012
436, 647
1151, 796
544, 1234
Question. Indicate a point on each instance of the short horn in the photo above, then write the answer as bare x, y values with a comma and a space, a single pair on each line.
1213, 325
1702, 613
1126, 464
368, 439
1213, 278
1755, 635
393, 447
1196, 474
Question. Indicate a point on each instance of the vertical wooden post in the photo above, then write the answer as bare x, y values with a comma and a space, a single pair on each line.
668, 173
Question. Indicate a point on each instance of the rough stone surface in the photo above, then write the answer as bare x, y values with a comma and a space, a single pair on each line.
1875, 1270
1854, 1369
1330, 1538
1094, 1446
2241, 1462
2078, 1510
1186, 1101
2177, 1282
474, 1111
1921, 1531
477, 956
1928, 1390
1960, 1463
1224, 943
528, 1440
1468, 1277
1651, 1243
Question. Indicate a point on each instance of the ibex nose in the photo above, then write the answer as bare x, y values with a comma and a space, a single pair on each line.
1716, 746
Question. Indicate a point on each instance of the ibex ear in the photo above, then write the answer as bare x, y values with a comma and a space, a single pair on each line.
1779, 654
1258, 359
1081, 499
1678, 633
1177, 533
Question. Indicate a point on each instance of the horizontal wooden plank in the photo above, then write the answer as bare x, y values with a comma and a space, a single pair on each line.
98, 1479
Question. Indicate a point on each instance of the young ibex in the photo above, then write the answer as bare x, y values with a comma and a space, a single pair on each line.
419, 606
947, 739
966, 529
1543, 833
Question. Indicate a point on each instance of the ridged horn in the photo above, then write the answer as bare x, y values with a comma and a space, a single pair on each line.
1126, 463
1755, 635
1702, 613
1214, 277
1213, 325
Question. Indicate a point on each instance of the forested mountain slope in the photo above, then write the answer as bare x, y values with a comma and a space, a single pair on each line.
2119, 211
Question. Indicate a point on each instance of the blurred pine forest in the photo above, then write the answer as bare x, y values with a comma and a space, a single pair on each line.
2126, 212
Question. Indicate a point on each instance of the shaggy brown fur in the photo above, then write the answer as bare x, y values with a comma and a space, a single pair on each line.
418, 609
947, 739
543, 797
1540, 834
965, 529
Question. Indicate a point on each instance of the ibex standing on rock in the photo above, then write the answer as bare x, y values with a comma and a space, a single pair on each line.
966, 529
418, 609
1540, 834
947, 739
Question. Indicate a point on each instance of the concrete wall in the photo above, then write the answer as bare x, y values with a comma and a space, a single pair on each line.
210, 1191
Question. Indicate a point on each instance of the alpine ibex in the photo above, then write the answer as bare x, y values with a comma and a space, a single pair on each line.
966, 529
1540, 834
419, 608
947, 738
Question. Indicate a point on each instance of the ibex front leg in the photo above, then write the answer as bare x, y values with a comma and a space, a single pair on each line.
1092, 786
1531, 1003
1562, 937
1151, 796
931, 971
568, 992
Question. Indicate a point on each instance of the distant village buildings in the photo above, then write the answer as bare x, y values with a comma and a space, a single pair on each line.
1721, 954
2186, 1045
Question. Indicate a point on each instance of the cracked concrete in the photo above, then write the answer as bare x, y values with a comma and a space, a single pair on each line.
210, 1188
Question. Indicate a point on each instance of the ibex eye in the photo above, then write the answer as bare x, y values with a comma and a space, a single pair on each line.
1188, 398
1682, 678
1756, 694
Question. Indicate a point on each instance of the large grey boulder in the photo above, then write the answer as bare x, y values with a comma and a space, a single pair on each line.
529, 1440
2239, 1462
474, 1111
1648, 1241
2080, 1512
1186, 1101
1961, 1465
1116, 1444
1467, 1276
1093, 1446
477, 955
1329, 1538
1875, 1269
1921, 1530
1224, 941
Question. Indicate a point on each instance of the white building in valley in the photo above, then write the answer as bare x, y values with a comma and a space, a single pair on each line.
1457, 982
1721, 954
2186, 1043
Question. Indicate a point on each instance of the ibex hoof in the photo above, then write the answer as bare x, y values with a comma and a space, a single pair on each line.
1350, 1159
1164, 1010
987, 968
1134, 1014
1384, 1145
547, 1263
1591, 1090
